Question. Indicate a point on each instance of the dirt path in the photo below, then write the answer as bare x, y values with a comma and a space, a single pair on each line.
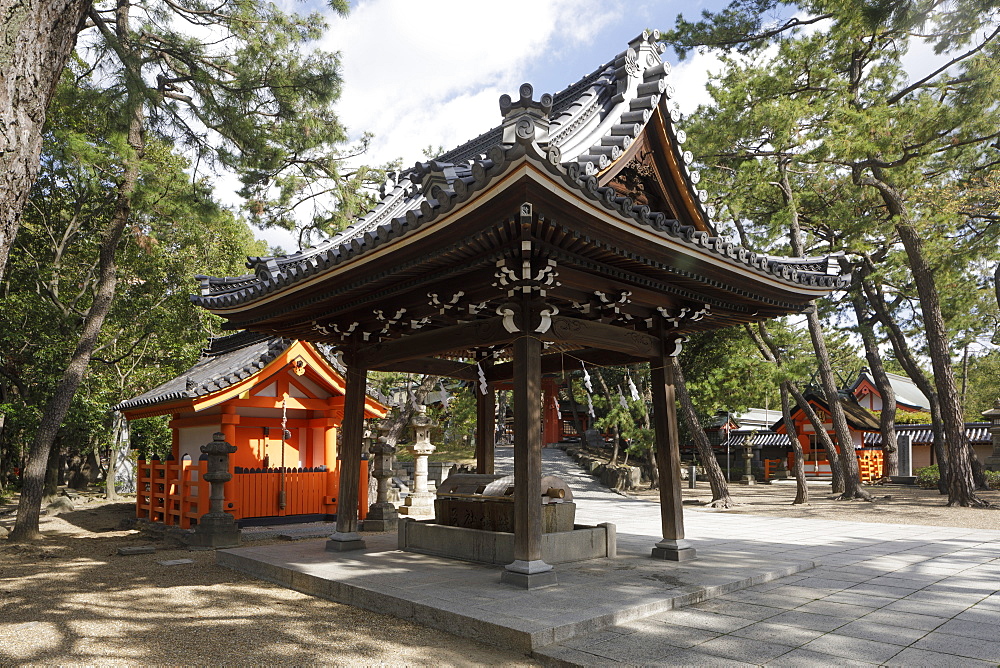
70, 599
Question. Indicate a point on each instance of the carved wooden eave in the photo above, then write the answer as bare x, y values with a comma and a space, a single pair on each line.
425, 281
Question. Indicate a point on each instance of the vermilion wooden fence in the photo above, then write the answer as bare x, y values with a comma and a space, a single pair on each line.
175, 492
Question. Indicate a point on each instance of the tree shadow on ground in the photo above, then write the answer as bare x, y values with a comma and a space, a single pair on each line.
70, 598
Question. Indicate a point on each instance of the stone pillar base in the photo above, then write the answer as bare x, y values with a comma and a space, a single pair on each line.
381, 517
529, 580
214, 532
748, 480
344, 542
418, 503
674, 550
528, 574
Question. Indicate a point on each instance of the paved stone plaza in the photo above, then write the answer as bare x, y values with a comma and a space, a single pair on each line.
857, 594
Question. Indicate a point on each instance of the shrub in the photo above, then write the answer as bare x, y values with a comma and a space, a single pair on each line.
928, 476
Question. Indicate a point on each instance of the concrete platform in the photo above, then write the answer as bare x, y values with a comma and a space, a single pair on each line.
467, 599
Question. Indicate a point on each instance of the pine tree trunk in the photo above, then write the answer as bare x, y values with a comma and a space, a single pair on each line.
961, 487
29, 507
848, 460
119, 448
799, 465
887, 417
836, 470
647, 400
401, 419
716, 478
36, 39
765, 344
901, 349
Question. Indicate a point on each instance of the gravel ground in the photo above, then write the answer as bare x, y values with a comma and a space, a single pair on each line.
71, 600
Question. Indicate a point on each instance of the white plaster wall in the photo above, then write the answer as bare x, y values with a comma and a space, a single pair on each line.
192, 438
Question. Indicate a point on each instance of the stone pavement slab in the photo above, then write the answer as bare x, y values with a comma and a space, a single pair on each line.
880, 595
897, 595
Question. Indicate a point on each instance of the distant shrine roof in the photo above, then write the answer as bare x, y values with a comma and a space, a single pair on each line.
582, 137
226, 361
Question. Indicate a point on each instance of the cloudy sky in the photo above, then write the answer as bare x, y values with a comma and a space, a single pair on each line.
430, 72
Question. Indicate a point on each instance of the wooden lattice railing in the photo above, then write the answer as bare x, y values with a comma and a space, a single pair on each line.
175, 492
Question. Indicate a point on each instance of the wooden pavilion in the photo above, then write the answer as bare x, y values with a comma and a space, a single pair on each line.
574, 231
280, 402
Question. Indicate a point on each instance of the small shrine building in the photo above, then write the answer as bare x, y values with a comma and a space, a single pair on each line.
280, 402
860, 422
574, 232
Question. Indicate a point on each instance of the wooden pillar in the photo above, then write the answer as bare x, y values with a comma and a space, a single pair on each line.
528, 570
346, 536
229, 421
668, 457
485, 424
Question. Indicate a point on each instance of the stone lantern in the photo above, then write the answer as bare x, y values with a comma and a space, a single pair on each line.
748, 478
993, 416
420, 501
216, 528
382, 514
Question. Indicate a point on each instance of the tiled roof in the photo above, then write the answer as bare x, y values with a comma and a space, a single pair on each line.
978, 433
572, 135
857, 417
907, 392
226, 361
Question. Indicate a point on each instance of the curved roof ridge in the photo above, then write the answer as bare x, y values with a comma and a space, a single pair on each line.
434, 188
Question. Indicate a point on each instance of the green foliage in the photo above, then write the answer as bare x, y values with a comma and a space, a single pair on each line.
928, 476
809, 121
910, 417
240, 85
982, 384
461, 415
152, 332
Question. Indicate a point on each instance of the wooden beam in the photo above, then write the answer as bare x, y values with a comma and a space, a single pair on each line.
346, 536
600, 335
432, 366
489, 331
527, 458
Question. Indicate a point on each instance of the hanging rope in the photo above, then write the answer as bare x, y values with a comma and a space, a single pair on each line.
586, 378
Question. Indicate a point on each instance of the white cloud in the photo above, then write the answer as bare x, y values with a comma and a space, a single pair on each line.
431, 72
689, 77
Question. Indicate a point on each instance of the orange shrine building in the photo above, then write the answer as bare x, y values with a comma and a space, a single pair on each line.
859, 422
280, 402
